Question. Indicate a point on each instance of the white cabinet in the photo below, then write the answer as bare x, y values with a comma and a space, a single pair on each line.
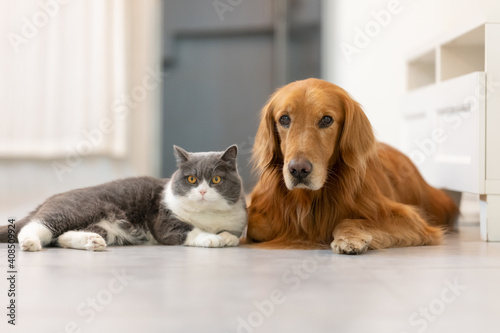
451, 118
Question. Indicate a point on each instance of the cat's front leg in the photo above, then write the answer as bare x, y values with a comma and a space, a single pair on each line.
200, 238
168, 229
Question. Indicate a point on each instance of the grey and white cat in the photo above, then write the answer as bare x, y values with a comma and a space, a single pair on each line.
201, 205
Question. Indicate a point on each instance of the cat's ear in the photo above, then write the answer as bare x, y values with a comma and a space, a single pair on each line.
230, 154
180, 154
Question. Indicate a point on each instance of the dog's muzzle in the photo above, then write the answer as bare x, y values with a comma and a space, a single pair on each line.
300, 169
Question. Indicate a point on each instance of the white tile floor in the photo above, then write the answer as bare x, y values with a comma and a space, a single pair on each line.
179, 289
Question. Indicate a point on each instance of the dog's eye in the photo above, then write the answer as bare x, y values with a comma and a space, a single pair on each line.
325, 121
285, 121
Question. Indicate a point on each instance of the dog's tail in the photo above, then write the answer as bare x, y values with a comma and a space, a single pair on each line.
443, 209
5, 230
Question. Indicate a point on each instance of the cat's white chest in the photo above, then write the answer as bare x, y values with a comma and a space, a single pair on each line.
212, 217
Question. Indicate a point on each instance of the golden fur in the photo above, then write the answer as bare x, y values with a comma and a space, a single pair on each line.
360, 194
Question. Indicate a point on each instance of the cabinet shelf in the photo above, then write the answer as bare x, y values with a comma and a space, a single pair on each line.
422, 70
459, 56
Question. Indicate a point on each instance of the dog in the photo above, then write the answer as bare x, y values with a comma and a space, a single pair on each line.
324, 181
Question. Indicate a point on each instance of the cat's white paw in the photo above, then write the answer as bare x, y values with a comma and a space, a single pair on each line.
82, 240
229, 239
208, 240
197, 237
31, 244
95, 243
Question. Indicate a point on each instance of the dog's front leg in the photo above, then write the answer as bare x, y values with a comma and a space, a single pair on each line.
402, 226
350, 237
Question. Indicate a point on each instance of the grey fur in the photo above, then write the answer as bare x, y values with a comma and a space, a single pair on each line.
133, 203
136, 204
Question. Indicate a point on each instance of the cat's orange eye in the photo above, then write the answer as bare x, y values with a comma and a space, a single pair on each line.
216, 180
192, 179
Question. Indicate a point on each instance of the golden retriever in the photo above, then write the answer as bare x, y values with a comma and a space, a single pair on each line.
325, 181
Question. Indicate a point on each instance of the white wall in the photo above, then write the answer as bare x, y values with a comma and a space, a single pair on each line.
25, 181
376, 76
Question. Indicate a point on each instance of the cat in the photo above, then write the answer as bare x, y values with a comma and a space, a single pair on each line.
202, 204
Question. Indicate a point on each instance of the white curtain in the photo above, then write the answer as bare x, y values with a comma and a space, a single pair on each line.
64, 77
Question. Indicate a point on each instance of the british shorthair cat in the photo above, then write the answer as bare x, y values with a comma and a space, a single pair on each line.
202, 204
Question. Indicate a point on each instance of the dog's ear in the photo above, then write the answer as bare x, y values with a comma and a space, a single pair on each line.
357, 141
266, 149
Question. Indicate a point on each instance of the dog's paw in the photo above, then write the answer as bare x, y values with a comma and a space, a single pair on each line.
229, 239
31, 244
95, 243
351, 244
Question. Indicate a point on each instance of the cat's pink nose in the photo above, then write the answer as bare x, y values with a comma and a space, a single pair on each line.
202, 192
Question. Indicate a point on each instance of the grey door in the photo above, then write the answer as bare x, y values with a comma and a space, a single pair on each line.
224, 62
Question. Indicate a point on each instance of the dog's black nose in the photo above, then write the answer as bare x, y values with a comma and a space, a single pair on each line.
299, 169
